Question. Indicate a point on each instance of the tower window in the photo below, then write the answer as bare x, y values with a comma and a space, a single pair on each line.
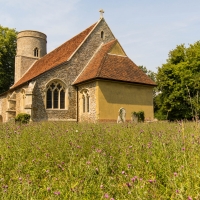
102, 34
36, 52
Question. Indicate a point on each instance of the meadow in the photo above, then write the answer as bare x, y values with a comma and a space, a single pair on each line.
62, 160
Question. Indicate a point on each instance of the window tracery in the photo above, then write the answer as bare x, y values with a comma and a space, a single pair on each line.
85, 101
55, 95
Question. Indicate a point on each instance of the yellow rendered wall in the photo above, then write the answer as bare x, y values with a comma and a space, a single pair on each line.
111, 96
117, 49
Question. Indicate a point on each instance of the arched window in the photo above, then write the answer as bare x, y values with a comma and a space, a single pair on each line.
102, 34
55, 95
36, 52
86, 101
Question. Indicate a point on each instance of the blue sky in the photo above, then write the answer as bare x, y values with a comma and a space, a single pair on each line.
146, 29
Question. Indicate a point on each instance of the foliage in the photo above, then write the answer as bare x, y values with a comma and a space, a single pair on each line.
178, 80
149, 73
60, 160
23, 118
7, 57
139, 115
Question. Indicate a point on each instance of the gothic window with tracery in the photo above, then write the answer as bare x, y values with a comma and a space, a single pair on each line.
86, 101
55, 95
36, 52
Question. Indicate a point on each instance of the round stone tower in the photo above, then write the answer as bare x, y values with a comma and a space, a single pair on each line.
31, 46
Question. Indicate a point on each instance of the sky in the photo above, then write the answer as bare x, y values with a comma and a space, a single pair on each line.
146, 29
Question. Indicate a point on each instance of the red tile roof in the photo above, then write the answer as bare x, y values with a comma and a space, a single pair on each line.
55, 58
114, 67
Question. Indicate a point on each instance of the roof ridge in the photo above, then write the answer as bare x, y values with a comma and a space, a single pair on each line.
88, 62
95, 25
105, 56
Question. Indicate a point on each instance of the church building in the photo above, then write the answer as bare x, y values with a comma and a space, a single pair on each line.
88, 78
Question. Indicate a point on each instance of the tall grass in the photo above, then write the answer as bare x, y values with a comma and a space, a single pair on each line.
60, 160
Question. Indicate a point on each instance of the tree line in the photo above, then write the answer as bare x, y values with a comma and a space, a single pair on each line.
177, 95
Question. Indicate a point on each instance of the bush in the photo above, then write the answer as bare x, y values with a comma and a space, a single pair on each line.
23, 118
139, 115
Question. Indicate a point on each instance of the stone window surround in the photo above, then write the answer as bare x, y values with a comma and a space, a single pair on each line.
66, 101
85, 100
36, 52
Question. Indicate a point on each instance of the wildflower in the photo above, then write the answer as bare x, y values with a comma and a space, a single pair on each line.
57, 193
123, 172
101, 186
112, 199
76, 131
88, 162
189, 198
175, 174
128, 184
134, 179
151, 181
129, 165
106, 196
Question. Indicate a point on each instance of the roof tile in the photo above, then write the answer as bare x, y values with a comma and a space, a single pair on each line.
115, 67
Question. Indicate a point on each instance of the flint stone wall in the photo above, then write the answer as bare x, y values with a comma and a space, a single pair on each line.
90, 116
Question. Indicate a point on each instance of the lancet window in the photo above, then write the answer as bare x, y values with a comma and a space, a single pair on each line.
86, 101
36, 52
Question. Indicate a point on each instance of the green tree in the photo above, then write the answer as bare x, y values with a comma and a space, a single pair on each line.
7, 57
178, 82
149, 73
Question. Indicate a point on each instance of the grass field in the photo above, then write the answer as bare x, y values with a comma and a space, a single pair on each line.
60, 160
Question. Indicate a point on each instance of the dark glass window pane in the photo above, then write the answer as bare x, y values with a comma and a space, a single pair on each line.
36, 52
83, 103
49, 98
55, 99
52, 86
102, 34
59, 86
62, 99
88, 104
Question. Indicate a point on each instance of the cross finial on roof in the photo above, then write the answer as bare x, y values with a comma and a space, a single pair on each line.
101, 13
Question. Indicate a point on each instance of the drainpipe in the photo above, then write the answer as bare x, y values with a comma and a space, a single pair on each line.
77, 104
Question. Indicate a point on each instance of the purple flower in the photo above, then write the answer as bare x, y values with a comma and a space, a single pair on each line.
151, 181
128, 184
129, 165
57, 193
48, 188
106, 196
175, 174
189, 198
